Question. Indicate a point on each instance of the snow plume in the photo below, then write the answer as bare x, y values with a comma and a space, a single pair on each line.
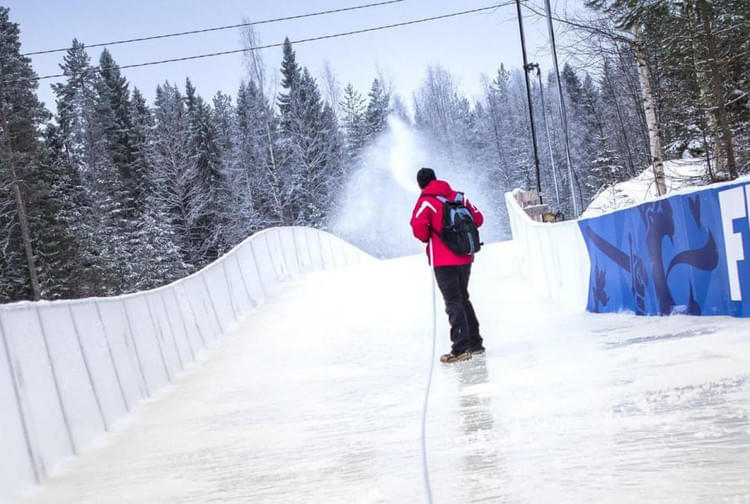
379, 196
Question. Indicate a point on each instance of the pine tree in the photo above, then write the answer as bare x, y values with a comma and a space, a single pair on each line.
632, 15
115, 112
353, 107
257, 172
238, 216
378, 108
83, 162
173, 172
520, 151
581, 132
336, 169
291, 75
311, 140
112, 188
498, 107
154, 239
21, 115
267, 180
76, 103
63, 214
207, 242
309, 132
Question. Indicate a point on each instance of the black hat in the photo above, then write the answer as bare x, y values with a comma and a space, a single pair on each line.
425, 176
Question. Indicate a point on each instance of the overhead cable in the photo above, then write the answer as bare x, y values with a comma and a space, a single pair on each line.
300, 41
218, 28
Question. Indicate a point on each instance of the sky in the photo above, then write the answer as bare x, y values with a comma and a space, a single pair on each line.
467, 46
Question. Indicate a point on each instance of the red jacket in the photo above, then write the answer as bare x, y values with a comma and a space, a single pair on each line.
428, 215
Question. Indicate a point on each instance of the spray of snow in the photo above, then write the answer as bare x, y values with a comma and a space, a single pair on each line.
378, 198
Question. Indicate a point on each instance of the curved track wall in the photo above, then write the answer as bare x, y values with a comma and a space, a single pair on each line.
70, 369
553, 256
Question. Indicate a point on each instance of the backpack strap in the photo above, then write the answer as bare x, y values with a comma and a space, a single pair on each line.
443, 199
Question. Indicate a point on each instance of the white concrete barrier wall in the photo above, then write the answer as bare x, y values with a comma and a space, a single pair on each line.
553, 256
70, 369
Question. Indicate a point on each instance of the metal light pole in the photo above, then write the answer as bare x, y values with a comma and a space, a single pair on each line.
563, 115
535, 66
528, 98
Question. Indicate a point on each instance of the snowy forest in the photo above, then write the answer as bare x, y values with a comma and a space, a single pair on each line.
108, 194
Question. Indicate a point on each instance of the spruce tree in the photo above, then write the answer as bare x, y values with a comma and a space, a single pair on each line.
237, 216
154, 237
353, 107
173, 172
63, 223
378, 108
110, 181
116, 115
309, 132
207, 242
291, 75
81, 152
21, 115
258, 139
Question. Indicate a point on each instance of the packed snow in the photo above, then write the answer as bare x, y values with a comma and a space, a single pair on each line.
679, 175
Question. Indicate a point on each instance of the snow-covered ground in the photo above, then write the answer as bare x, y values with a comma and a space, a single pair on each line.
317, 397
679, 175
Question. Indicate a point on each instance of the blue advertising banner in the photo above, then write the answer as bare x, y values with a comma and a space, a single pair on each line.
682, 254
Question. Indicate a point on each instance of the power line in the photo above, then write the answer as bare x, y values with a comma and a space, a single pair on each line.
300, 41
218, 28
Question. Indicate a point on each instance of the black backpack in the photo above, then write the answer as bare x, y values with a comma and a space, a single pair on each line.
460, 233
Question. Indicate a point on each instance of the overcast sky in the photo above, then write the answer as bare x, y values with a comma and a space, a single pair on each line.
467, 46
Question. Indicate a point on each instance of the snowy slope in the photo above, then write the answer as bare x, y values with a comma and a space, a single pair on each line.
679, 175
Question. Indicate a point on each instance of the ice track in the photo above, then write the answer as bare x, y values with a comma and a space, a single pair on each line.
317, 398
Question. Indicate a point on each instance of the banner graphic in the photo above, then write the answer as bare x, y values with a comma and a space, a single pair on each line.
683, 254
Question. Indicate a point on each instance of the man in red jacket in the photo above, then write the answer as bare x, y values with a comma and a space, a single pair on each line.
452, 271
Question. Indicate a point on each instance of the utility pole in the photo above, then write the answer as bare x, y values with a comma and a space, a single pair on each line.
535, 66
528, 98
563, 114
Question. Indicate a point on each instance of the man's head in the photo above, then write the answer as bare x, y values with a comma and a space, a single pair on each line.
425, 176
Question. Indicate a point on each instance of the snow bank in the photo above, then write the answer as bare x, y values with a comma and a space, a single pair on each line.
679, 175
70, 369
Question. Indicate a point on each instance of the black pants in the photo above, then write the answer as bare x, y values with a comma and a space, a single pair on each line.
454, 284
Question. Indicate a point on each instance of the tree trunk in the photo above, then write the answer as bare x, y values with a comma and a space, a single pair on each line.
657, 155
20, 207
257, 74
633, 93
716, 89
708, 116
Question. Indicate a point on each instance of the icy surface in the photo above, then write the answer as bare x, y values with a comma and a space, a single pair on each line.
318, 396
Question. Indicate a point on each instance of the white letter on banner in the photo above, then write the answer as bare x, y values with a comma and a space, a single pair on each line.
732, 205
